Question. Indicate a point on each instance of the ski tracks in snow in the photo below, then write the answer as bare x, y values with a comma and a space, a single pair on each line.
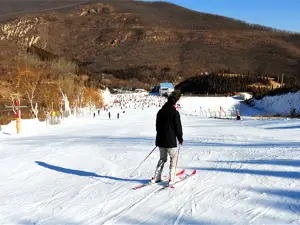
117, 214
236, 181
122, 212
255, 213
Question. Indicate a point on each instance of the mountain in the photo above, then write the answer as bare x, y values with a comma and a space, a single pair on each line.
145, 42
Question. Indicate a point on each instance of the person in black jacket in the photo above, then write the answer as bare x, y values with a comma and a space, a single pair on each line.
168, 128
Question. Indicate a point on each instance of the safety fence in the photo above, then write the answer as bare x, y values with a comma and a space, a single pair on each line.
57, 118
218, 114
53, 120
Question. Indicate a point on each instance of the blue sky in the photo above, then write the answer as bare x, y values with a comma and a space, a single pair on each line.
281, 14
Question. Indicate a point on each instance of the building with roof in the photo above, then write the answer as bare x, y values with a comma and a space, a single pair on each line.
165, 89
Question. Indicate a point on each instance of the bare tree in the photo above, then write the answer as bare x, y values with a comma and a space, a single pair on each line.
13, 104
30, 93
28, 85
79, 93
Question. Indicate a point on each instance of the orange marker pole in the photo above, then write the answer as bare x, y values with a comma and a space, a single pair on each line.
18, 115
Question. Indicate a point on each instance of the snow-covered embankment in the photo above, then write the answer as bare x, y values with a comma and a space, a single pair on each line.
285, 105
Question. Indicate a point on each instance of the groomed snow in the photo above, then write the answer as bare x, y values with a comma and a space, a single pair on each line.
248, 172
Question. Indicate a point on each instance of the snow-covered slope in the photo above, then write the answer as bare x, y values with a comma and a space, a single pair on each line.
280, 104
78, 172
29, 126
193, 106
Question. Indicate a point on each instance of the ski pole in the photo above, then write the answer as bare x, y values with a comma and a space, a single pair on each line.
176, 162
142, 161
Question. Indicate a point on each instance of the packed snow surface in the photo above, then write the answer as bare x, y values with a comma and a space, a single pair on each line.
248, 171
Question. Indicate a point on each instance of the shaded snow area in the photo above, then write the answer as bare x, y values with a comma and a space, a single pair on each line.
280, 104
77, 172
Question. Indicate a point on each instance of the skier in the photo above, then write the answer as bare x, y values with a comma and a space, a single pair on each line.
168, 127
118, 115
109, 115
98, 111
238, 115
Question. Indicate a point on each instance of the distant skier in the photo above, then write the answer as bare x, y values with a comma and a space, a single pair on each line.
238, 116
98, 111
94, 114
118, 115
109, 115
168, 127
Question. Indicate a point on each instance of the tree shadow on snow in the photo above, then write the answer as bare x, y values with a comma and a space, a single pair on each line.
284, 200
272, 173
77, 139
243, 145
277, 162
287, 194
85, 173
49, 221
283, 128
108, 140
167, 218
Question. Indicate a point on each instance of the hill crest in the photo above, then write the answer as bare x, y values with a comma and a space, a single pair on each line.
149, 41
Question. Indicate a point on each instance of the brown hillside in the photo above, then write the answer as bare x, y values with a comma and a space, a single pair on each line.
147, 42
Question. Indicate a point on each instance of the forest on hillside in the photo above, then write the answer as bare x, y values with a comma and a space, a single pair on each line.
228, 84
43, 86
140, 44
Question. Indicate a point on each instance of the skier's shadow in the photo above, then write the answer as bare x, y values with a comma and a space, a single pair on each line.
85, 173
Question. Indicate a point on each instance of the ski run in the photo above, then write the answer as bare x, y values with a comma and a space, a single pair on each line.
78, 172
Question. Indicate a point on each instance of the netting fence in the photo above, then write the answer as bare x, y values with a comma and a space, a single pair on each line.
222, 113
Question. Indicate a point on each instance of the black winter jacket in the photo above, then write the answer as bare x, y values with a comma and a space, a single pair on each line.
168, 127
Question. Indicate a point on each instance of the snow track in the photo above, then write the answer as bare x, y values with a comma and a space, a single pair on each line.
248, 172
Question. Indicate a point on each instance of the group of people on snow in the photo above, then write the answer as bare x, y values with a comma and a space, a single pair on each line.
132, 101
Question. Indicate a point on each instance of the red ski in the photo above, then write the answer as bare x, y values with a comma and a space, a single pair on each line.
181, 179
164, 179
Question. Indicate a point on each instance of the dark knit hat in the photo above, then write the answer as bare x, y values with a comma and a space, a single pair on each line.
174, 97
